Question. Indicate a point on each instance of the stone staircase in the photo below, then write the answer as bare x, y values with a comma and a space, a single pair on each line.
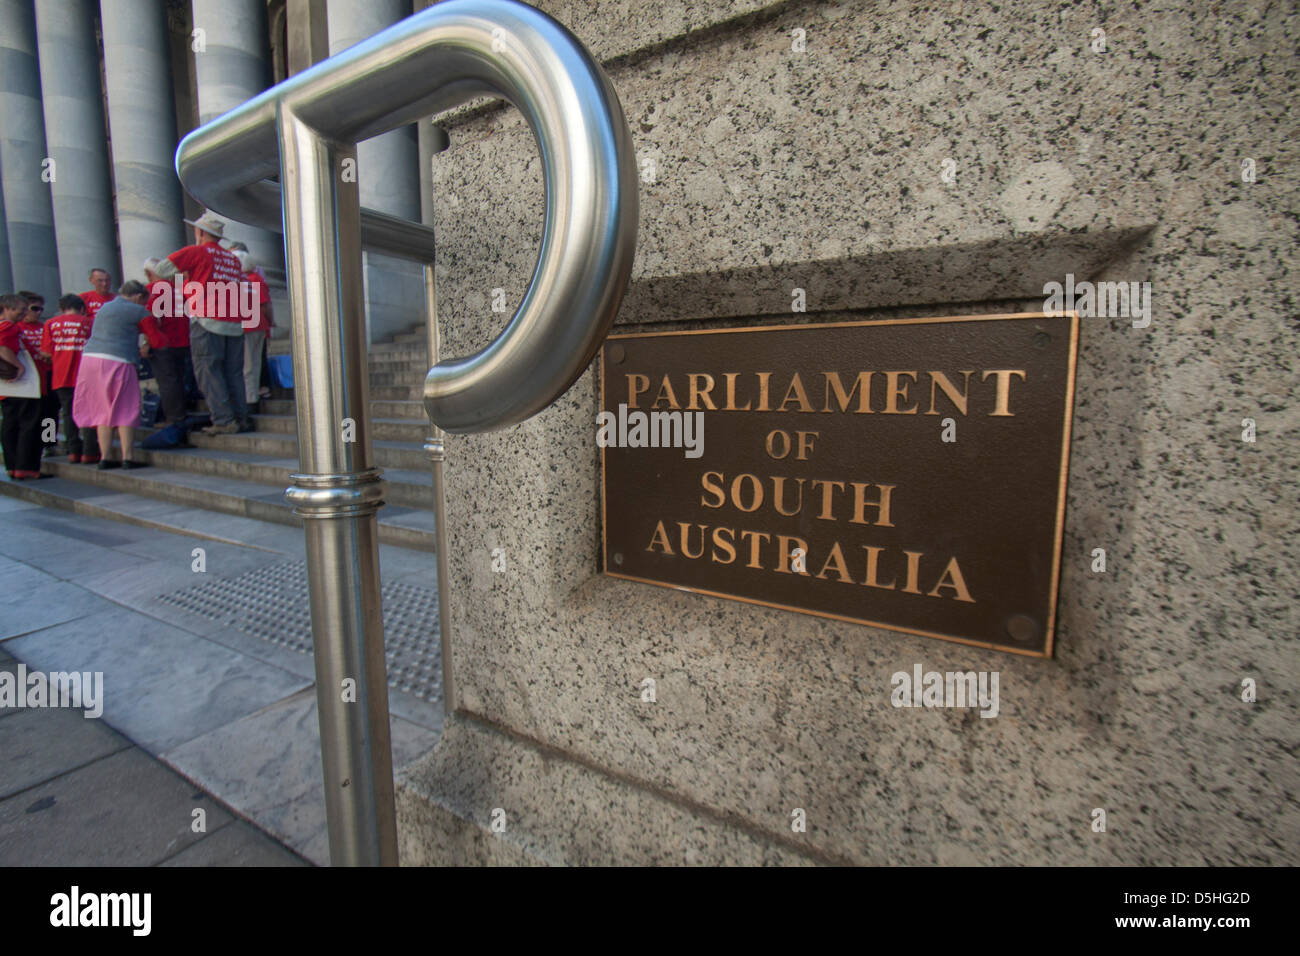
245, 475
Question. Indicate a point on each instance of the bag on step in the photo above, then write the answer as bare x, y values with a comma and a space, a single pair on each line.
173, 436
281, 367
150, 402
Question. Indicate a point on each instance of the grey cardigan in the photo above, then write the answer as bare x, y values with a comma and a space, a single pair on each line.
116, 331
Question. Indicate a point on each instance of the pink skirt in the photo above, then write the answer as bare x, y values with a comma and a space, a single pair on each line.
108, 393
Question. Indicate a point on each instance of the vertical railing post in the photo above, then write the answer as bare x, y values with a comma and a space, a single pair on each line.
338, 491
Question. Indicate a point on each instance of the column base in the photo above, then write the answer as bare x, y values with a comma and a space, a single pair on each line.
552, 810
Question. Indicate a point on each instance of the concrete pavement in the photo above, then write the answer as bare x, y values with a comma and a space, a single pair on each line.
208, 697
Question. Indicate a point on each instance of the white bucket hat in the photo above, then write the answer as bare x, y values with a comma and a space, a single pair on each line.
209, 222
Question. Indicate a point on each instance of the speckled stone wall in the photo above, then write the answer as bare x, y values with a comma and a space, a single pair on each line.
823, 169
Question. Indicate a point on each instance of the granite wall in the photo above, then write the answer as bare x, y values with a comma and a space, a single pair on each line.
767, 167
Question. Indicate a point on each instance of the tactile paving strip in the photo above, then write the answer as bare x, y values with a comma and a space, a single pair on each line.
272, 603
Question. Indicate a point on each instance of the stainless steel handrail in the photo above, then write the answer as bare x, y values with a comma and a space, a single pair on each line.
305, 131
432, 61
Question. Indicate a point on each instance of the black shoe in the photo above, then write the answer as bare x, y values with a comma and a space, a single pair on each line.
247, 425
106, 464
129, 464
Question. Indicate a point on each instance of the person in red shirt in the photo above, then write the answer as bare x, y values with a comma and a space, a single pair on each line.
212, 294
168, 331
20, 433
62, 339
30, 330
101, 292
11, 308
257, 329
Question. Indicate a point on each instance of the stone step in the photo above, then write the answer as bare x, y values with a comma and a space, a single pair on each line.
405, 409
379, 379
276, 423
411, 409
410, 431
415, 349
397, 375
399, 393
388, 454
179, 501
391, 352
408, 488
242, 478
414, 340
398, 361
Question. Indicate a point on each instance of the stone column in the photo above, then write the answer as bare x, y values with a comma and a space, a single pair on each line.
388, 174
30, 215
74, 137
307, 26
142, 123
307, 29
6, 273
432, 140
230, 67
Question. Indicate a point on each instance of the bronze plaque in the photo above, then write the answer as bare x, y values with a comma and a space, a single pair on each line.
907, 474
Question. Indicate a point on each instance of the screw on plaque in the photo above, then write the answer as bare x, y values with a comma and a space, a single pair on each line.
618, 557
1022, 628
1042, 340
617, 353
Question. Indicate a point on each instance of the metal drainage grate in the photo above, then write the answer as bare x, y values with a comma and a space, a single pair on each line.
272, 603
